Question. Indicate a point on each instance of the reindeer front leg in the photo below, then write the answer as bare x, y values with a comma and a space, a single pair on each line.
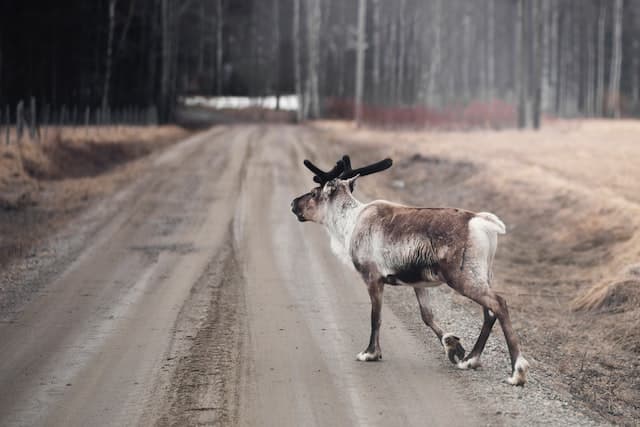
373, 352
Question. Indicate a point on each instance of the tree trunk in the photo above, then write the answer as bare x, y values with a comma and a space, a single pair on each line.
152, 57
530, 55
591, 69
276, 52
393, 63
165, 57
402, 49
554, 57
635, 68
539, 30
109, 56
125, 29
600, 61
559, 77
362, 22
521, 80
376, 50
201, 40
296, 58
491, 31
547, 63
436, 53
466, 52
616, 61
313, 59
219, 47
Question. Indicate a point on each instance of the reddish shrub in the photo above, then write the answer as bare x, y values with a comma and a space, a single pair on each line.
492, 114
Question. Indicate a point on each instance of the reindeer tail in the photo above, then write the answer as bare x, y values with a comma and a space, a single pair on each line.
493, 222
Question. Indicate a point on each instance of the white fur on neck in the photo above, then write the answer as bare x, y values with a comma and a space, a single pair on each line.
340, 225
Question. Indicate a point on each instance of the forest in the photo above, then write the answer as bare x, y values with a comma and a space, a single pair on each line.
501, 62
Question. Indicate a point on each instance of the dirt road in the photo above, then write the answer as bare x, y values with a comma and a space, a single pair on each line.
195, 297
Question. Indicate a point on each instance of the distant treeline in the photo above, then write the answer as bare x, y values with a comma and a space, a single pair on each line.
560, 57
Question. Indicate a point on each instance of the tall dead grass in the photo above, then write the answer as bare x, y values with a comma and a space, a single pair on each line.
72, 152
613, 294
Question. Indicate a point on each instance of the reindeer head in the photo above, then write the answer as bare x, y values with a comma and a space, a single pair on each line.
334, 188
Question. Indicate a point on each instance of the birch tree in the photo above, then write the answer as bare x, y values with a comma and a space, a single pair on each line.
436, 51
600, 59
538, 30
490, 57
616, 61
520, 60
313, 58
219, 46
276, 50
362, 22
376, 41
296, 59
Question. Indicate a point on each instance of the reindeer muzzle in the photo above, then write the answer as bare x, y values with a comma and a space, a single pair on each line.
296, 210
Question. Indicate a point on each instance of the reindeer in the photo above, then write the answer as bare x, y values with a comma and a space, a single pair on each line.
396, 245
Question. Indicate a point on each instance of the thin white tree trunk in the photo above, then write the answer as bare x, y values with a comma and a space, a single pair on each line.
313, 60
601, 47
376, 50
616, 61
539, 30
401, 51
393, 61
276, 51
548, 57
554, 58
362, 22
491, 31
520, 56
591, 74
219, 47
466, 53
296, 58
436, 60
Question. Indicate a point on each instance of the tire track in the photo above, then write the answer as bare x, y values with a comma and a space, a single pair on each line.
204, 356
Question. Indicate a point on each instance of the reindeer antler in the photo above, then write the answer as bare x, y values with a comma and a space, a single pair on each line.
343, 170
322, 177
348, 172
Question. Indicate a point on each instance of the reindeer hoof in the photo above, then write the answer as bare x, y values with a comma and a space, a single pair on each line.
469, 363
368, 357
519, 375
453, 348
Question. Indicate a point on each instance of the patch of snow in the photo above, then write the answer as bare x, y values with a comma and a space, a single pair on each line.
287, 102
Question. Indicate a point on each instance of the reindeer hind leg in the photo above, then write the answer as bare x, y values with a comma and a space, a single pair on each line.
489, 300
451, 344
473, 358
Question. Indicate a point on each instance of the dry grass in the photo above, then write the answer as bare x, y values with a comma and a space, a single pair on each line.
64, 153
45, 183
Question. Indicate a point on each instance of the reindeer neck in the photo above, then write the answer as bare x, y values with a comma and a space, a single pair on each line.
342, 218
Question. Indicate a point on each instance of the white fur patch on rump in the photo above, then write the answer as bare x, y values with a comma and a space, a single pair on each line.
492, 222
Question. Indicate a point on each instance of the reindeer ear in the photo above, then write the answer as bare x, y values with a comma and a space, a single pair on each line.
352, 182
329, 187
